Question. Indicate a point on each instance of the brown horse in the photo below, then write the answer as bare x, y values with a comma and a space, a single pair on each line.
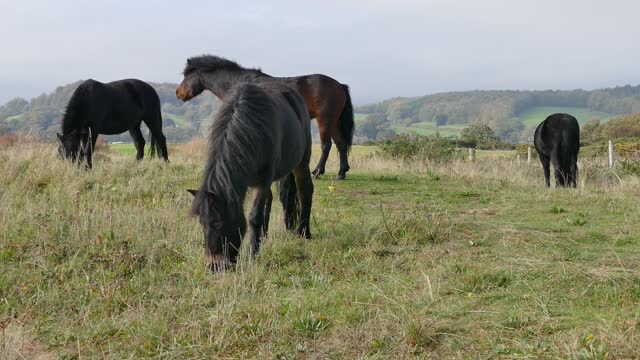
327, 100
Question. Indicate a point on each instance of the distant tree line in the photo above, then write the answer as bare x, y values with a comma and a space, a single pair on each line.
497, 109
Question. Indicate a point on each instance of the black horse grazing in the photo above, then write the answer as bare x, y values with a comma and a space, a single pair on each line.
326, 99
260, 134
557, 141
112, 108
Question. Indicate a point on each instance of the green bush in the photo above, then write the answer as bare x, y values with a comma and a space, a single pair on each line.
434, 148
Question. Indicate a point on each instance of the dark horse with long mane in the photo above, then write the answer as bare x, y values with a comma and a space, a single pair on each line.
557, 141
326, 99
112, 108
260, 134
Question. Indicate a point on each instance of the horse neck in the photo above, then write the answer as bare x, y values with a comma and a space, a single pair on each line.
223, 81
225, 183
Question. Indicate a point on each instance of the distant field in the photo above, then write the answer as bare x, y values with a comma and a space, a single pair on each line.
359, 117
429, 128
536, 115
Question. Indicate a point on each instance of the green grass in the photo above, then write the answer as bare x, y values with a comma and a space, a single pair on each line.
455, 260
126, 149
359, 117
535, 115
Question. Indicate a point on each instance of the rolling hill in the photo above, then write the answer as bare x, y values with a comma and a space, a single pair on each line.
512, 114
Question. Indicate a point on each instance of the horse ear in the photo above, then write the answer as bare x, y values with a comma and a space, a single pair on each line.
188, 61
192, 192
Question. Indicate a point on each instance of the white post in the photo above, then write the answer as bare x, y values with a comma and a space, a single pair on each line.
472, 154
518, 157
611, 154
528, 155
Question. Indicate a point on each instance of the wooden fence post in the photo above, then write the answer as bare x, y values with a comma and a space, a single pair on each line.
611, 159
472, 154
528, 155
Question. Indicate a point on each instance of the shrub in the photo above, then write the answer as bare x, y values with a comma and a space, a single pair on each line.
8, 140
101, 144
433, 148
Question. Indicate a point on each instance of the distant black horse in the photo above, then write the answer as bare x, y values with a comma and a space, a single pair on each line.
326, 99
557, 140
260, 134
112, 108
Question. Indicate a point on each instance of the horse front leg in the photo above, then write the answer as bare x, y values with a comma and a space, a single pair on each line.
84, 139
257, 220
89, 146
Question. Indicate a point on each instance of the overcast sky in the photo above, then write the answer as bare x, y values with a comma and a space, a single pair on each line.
381, 48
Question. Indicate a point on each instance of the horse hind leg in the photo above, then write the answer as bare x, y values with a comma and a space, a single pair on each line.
325, 141
258, 219
304, 186
546, 167
289, 199
138, 141
343, 151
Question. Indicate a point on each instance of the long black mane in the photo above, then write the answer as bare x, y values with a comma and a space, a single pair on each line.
213, 63
240, 134
77, 105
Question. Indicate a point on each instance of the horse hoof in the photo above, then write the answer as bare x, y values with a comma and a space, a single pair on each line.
340, 177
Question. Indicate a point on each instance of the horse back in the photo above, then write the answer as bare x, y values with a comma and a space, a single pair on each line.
293, 127
560, 133
321, 93
135, 91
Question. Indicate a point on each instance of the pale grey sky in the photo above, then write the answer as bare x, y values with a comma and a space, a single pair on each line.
381, 48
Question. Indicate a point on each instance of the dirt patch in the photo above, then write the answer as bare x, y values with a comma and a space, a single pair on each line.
17, 343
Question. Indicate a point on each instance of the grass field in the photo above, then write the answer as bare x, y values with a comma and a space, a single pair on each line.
359, 117
454, 260
535, 115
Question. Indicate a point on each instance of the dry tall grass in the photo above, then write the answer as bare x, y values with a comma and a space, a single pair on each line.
108, 263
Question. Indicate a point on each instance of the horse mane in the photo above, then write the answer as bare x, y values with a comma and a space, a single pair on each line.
76, 107
213, 63
240, 136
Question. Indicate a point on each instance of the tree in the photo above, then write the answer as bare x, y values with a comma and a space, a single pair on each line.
440, 119
479, 135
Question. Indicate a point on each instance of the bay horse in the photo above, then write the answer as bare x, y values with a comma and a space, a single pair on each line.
326, 99
112, 108
557, 141
261, 133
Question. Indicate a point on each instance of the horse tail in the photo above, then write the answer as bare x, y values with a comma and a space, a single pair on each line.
289, 198
153, 145
346, 123
569, 148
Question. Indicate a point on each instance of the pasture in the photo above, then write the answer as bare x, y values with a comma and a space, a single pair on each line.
429, 260
534, 116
